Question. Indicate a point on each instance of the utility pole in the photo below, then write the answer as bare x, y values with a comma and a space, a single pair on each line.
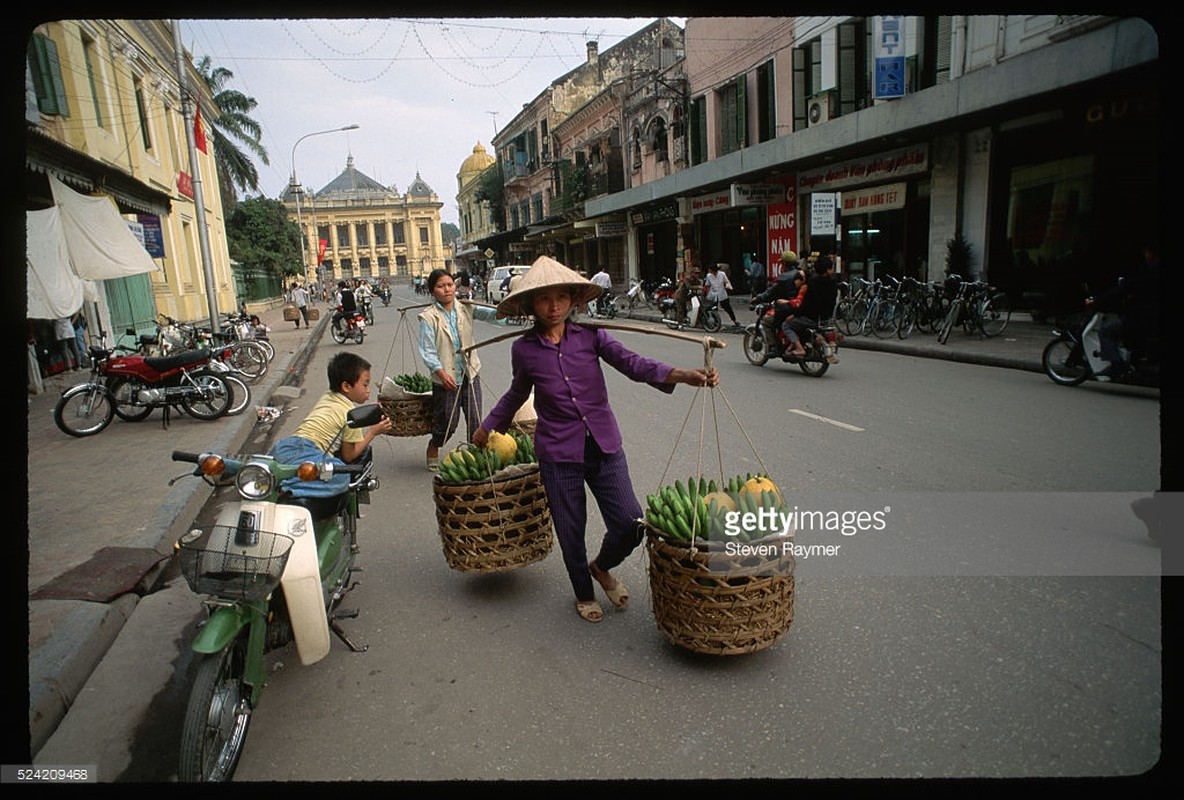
494, 115
203, 236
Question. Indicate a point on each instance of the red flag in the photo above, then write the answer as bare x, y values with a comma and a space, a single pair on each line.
321, 245
199, 132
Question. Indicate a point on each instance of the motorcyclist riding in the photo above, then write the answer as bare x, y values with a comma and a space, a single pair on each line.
819, 303
786, 293
347, 304
1136, 299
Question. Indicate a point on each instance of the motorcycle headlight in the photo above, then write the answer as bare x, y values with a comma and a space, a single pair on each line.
254, 481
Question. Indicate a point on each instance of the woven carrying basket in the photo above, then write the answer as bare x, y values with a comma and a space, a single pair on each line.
708, 601
494, 525
409, 417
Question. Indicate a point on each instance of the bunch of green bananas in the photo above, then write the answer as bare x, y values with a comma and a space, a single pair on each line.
468, 462
416, 383
698, 507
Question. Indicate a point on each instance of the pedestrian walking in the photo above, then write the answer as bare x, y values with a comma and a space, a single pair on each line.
67, 343
300, 298
80, 338
577, 437
718, 285
756, 275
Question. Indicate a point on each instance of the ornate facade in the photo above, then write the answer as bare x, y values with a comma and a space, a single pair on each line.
355, 227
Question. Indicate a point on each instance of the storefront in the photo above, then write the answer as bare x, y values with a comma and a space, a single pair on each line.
657, 240
871, 212
729, 232
1079, 194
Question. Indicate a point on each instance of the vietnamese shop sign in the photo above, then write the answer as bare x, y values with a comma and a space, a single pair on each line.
656, 214
757, 194
888, 37
711, 202
877, 198
910, 160
153, 236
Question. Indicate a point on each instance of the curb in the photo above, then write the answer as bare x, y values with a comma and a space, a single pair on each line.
60, 667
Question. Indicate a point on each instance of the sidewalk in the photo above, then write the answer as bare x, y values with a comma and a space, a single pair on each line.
105, 502
1020, 346
103, 506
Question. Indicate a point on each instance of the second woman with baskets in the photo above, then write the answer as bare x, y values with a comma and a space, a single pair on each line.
445, 328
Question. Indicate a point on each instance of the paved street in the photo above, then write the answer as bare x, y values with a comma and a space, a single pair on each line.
1000, 674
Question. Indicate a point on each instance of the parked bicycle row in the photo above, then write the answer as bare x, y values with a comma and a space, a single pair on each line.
890, 306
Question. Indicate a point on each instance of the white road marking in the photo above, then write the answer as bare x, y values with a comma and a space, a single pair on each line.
834, 422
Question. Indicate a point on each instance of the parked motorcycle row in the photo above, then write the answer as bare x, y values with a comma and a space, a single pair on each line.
178, 369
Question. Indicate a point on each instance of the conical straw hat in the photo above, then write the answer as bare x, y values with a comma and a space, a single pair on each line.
545, 273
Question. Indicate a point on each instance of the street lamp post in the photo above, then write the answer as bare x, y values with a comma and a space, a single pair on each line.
297, 190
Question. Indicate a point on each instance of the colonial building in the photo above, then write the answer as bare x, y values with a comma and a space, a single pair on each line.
106, 115
357, 228
1035, 138
550, 166
476, 213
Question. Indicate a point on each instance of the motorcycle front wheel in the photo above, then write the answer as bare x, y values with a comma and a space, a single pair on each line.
217, 716
240, 394
711, 320
1064, 362
754, 348
210, 398
124, 390
84, 410
359, 335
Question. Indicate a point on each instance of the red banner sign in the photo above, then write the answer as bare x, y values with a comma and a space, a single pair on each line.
321, 245
185, 184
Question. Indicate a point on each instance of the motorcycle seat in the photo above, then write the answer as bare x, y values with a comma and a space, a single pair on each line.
319, 507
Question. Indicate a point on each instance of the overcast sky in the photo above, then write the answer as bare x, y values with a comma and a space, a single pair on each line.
424, 91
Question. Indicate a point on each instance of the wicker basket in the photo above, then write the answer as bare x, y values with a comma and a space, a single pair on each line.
494, 525
710, 601
526, 426
409, 416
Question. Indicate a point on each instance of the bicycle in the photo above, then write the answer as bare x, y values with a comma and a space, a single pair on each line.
853, 309
976, 307
883, 314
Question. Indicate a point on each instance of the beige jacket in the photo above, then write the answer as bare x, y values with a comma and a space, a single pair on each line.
445, 346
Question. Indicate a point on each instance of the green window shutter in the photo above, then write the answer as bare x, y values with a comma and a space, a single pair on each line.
698, 130
47, 76
741, 112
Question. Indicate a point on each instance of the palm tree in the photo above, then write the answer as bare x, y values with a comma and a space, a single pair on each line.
235, 169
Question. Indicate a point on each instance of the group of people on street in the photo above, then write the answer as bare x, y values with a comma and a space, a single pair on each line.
559, 363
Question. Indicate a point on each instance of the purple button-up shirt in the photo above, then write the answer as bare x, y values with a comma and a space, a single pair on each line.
570, 396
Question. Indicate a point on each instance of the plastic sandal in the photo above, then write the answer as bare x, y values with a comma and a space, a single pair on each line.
589, 610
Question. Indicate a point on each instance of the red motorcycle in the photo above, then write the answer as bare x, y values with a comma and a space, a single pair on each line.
350, 326
821, 343
133, 385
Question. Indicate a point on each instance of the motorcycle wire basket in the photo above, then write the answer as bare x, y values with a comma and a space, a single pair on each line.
214, 564
409, 416
497, 524
709, 600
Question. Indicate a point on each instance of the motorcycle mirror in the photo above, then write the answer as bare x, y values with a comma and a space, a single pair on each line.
364, 416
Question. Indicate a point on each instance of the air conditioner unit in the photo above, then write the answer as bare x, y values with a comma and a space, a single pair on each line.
819, 108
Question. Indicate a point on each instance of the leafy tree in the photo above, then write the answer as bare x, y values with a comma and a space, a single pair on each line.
449, 233
235, 169
260, 236
492, 190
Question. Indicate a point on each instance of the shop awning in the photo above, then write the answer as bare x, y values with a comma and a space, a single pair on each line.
78, 240
50, 157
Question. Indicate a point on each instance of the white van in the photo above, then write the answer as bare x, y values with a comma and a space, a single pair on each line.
498, 277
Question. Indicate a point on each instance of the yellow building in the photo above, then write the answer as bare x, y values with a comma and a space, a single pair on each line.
476, 216
355, 227
104, 115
